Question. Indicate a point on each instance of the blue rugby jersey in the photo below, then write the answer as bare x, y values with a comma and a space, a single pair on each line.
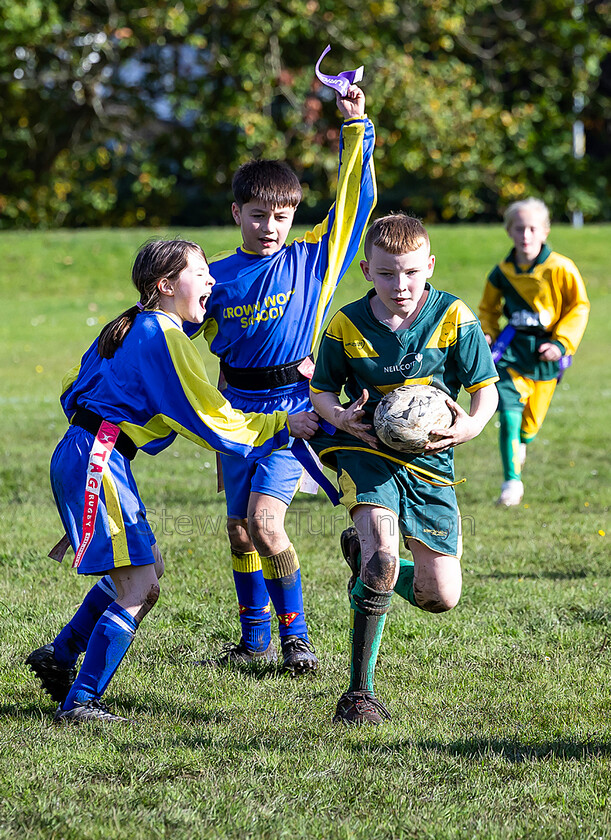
267, 311
156, 387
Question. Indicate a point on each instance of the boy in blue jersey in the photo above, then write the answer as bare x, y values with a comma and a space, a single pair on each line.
543, 297
139, 385
403, 331
263, 319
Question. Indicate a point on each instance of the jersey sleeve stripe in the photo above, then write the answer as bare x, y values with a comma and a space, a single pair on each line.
473, 388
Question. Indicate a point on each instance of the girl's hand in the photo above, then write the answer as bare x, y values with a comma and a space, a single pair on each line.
549, 352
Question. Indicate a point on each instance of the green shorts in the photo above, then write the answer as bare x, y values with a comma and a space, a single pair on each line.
427, 512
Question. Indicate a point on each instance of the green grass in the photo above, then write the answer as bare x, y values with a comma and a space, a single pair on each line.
501, 708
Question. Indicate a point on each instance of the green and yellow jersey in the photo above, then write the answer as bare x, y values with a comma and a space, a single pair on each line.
546, 301
444, 346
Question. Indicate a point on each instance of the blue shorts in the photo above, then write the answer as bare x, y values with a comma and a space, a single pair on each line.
278, 474
122, 535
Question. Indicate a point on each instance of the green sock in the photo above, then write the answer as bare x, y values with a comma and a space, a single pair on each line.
404, 587
509, 442
405, 582
368, 615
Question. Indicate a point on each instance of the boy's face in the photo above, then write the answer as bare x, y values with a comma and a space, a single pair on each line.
264, 228
529, 231
399, 279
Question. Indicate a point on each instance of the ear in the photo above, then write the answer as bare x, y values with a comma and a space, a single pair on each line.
166, 287
235, 212
365, 269
431, 266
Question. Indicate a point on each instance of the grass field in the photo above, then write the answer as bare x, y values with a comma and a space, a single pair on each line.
501, 709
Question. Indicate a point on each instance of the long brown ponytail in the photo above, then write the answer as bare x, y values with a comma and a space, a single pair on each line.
156, 259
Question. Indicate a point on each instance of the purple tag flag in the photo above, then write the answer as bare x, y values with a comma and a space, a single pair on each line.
502, 342
563, 364
343, 80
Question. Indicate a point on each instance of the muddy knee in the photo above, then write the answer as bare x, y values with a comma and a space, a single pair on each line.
434, 601
150, 599
379, 572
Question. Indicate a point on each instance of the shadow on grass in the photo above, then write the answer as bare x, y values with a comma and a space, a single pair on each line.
42, 712
512, 751
575, 574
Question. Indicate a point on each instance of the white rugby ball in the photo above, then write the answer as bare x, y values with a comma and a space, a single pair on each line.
403, 419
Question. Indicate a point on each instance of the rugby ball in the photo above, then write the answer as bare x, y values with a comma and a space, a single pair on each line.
403, 419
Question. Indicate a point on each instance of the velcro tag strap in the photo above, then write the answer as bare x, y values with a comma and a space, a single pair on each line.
102, 446
60, 548
502, 343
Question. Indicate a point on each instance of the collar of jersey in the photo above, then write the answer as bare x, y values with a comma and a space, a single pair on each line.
542, 256
167, 315
248, 253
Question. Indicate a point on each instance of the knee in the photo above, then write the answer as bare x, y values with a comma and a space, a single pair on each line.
150, 599
380, 571
265, 538
239, 537
437, 599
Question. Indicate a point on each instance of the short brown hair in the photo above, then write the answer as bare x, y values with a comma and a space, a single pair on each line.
270, 181
397, 233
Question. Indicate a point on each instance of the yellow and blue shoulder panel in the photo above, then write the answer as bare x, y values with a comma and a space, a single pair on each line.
156, 387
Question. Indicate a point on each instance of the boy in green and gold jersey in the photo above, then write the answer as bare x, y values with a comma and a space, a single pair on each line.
543, 297
403, 331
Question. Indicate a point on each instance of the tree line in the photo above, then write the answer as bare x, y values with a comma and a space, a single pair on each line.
139, 115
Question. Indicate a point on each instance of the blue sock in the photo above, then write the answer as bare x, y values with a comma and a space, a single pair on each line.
283, 581
253, 600
110, 639
73, 639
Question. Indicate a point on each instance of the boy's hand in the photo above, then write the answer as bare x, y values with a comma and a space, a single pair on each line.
463, 428
549, 352
350, 420
303, 424
352, 105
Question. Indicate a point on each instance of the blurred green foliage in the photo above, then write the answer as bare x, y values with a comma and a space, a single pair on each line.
139, 115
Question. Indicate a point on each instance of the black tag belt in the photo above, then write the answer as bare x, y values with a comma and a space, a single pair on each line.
91, 422
264, 378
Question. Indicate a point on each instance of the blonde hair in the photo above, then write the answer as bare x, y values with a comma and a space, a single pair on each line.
397, 233
527, 204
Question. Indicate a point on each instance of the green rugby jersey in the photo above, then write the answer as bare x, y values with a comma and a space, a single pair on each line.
444, 346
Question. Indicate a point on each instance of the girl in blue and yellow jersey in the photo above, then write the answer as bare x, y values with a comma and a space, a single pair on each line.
139, 385
543, 297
